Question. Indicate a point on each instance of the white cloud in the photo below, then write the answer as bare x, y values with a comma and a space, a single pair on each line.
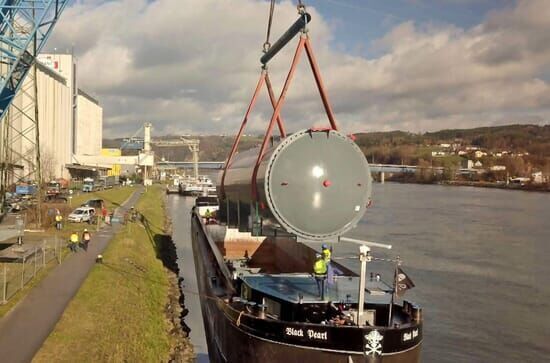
190, 66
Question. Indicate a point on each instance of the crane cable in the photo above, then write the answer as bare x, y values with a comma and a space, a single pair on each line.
301, 10
267, 44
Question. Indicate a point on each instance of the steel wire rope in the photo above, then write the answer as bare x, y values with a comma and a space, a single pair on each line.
267, 44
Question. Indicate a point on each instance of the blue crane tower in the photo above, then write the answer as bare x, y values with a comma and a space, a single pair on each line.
24, 28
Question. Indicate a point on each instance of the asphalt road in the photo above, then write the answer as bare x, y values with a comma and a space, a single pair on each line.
25, 328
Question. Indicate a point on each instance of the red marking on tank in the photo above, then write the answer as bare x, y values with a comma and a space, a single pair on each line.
262, 205
352, 137
327, 183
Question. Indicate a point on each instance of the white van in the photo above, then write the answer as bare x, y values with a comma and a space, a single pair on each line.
81, 214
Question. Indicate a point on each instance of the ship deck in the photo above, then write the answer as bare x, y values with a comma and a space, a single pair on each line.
290, 287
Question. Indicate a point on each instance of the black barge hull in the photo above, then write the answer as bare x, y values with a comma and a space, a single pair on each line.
235, 337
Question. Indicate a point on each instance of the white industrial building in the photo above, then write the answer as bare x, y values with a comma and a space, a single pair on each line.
70, 120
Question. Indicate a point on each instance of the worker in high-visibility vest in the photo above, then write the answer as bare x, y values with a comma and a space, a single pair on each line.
320, 274
327, 254
58, 221
73, 242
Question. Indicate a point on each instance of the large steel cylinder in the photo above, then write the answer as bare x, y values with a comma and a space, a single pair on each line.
314, 184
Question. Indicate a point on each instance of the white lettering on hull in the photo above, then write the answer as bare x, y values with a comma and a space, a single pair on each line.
309, 333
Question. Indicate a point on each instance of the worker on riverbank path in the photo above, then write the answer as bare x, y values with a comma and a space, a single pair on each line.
320, 274
58, 221
73, 241
86, 237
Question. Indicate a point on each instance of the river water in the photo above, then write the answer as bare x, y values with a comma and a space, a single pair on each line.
480, 259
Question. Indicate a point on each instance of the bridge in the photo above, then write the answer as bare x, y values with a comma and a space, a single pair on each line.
163, 165
380, 169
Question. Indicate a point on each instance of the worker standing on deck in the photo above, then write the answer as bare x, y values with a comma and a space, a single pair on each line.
207, 215
73, 241
327, 254
86, 237
320, 273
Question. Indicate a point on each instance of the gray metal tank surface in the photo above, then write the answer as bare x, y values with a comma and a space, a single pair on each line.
314, 184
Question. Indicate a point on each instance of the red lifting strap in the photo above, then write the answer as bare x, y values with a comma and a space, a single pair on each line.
264, 78
303, 44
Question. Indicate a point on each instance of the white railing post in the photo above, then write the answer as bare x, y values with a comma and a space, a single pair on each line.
35, 252
5, 285
22, 271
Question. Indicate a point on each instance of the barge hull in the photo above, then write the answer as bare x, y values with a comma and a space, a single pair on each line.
228, 341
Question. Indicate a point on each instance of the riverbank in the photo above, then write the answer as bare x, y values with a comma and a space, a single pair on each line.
481, 184
128, 309
413, 178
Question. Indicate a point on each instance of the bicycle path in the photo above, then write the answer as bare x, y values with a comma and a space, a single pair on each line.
25, 328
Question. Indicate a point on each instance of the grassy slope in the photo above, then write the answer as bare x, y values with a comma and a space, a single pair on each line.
118, 313
112, 198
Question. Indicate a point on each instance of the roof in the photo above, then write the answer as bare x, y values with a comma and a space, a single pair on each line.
85, 167
50, 72
87, 96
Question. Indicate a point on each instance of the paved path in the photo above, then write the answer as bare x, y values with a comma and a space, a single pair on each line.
26, 327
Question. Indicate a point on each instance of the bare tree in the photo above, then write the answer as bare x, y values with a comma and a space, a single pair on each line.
47, 161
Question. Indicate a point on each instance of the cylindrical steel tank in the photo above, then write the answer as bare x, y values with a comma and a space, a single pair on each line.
314, 184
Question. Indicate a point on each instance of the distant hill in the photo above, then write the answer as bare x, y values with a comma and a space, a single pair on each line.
401, 147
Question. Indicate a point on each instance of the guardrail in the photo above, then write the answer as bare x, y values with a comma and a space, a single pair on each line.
18, 272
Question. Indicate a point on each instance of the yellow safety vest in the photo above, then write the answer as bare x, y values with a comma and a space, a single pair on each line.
74, 238
58, 218
326, 255
320, 267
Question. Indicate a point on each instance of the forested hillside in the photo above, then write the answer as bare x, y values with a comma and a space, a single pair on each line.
521, 148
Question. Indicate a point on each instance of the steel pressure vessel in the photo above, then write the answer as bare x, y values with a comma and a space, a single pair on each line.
314, 184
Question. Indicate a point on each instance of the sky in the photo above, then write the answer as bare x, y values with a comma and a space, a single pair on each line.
190, 66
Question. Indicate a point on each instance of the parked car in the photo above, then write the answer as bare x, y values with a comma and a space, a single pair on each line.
94, 203
82, 214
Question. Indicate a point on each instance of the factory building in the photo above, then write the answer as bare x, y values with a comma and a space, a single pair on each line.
89, 125
70, 120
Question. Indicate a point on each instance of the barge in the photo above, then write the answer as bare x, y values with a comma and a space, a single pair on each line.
263, 297
260, 304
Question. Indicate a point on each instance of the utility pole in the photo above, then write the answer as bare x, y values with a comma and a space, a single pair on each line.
37, 138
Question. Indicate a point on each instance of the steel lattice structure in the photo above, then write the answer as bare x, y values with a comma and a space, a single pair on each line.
25, 26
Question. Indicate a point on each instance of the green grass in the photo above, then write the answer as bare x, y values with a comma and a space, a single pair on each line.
112, 197
118, 315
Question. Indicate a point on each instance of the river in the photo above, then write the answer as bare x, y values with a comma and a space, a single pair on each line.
480, 259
